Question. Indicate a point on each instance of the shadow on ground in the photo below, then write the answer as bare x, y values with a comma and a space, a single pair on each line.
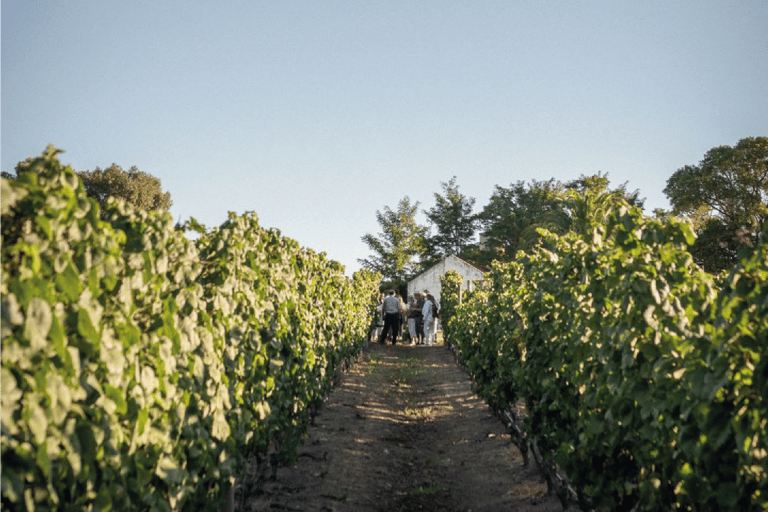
403, 431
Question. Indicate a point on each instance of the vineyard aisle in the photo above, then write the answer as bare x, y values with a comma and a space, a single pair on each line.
404, 431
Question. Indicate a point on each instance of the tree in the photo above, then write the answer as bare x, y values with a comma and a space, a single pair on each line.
589, 201
510, 214
399, 246
511, 218
454, 222
726, 198
598, 184
138, 188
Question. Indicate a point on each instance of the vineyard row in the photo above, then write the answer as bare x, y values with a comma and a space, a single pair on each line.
644, 380
141, 370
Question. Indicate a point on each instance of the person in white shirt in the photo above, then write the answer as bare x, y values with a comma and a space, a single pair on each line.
430, 320
390, 311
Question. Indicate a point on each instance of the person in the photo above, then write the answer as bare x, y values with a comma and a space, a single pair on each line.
401, 317
390, 310
415, 326
411, 317
430, 319
377, 324
419, 318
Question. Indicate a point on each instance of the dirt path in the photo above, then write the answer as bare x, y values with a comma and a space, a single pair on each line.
404, 431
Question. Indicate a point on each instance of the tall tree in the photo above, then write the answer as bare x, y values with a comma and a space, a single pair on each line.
512, 212
399, 246
454, 222
598, 184
589, 201
511, 218
726, 197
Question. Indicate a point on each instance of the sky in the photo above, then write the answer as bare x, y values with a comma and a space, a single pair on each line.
317, 114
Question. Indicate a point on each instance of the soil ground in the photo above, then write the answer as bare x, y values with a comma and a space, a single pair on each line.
404, 431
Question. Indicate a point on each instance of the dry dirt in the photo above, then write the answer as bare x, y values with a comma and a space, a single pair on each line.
404, 431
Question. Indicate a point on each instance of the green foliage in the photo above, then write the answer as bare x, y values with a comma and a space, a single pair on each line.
139, 368
450, 286
726, 437
513, 216
598, 184
399, 246
454, 222
726, 195
716, 248
646, 385
511, 212
138, 188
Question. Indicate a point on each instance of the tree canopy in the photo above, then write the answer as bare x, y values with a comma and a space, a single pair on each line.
454, 222
589, 201
510, 220
138, 188
508, 223
726, 198
399, 246
513, 210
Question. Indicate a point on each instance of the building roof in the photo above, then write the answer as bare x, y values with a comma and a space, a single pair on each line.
480, 269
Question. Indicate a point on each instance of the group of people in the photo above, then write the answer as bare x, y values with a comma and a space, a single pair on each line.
419, 314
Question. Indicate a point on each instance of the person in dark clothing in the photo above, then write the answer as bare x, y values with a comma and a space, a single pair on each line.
401, 318
410, 319
419, 318
390, 311
414, 317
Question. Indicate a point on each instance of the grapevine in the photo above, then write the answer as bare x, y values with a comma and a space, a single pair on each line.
140, 369
642, 380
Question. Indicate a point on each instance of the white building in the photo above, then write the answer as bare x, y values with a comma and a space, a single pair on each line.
430, 279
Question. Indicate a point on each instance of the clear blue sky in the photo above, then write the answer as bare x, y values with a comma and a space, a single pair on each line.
316, 114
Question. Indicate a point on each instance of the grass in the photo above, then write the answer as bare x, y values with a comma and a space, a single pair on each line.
427, 491
407, 377
374, 364
403, 379
408, 367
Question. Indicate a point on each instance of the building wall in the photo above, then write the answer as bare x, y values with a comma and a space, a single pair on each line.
430, 279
